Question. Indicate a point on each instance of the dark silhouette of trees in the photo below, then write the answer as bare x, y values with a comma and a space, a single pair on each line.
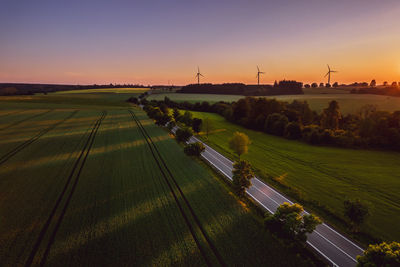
373, 83
356, 212
331, 116
335, 84
394, 84
321, 85
307, 86
314, 85
328, 85
385, 83
293, 130
281, 88
242, 174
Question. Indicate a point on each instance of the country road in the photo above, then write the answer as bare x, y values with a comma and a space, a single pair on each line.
333, 246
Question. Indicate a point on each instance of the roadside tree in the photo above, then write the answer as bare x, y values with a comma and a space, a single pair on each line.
289, 222
356, 212
184, 134
239, 143
383, 254
242, 174
194, 149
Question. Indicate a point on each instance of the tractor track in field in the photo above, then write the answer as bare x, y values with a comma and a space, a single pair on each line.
23, 145
26, 119
160, 162
76, 171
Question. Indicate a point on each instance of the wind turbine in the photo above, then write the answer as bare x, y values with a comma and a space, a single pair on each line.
258, 75
329, 74
198, 75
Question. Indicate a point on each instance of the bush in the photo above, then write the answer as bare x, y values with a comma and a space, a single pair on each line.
194, 149
196, 124
184, 134
293, 131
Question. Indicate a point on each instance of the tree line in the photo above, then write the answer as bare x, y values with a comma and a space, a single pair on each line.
285, 87
367, 128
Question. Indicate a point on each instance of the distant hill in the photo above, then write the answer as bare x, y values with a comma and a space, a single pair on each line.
281, 88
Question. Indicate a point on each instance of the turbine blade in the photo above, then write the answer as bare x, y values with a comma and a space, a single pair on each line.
258, 69
326, 74
328, 67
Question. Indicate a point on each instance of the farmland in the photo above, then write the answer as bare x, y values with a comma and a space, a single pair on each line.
325, 175
349, 103
84, 180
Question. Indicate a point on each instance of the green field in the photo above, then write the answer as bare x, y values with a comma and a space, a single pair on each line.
349, 103
323, 174
105, 90
79, 186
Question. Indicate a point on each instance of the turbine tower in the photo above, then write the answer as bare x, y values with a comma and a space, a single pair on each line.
198, 75
329, 74
258, 75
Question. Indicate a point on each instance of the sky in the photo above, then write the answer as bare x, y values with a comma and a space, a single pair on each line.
161, 42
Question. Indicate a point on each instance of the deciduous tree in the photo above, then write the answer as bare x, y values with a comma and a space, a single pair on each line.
242, 174
383, 254
289, 222
356, 212
239, 143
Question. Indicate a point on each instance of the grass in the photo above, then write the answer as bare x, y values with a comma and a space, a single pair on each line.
349, 103
323, 175
121, 211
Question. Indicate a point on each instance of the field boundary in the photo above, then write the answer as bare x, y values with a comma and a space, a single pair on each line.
87, 147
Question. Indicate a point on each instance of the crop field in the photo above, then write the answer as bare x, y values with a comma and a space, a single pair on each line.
102, 185
105, 90
349, 103
323, 174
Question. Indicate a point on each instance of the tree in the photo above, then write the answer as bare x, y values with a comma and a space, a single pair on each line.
331, 116
207, 126
328, 85
162, 119
194, 149
239, 143
289, 222
242, 174
187, 118
276, 124
293, 130
383, 254
306, 85
356, 212
335, 84
176, 114
196, 124
164, 108
314, 85
321, 85
385, 83
373, 83
394, 84
184, 134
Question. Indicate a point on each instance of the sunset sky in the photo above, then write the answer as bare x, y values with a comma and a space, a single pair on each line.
153, 42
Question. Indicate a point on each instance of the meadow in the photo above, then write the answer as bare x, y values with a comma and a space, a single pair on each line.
349, 103
323, 175
105, 90
79, 186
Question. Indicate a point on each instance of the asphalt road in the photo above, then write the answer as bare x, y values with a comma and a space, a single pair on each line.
333, 246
